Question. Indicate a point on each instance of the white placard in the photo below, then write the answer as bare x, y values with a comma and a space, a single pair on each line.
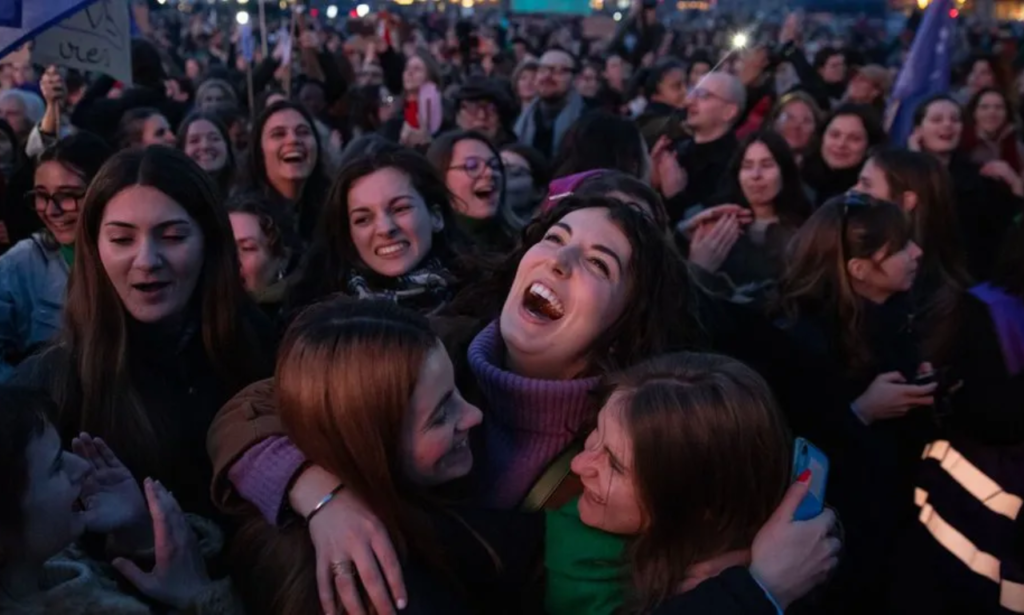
98, 38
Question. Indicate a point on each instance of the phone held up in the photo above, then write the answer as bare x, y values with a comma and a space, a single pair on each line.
806, 456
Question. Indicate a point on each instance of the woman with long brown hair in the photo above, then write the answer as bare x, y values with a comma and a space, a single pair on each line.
845, 299
158, 331
367, 391
689, 460
922, 188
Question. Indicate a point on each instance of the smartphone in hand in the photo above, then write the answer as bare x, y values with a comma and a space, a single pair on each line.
806, 456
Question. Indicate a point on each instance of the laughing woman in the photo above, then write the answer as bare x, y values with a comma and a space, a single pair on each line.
158, 331
34, 273
475, 176
714, 422
286, 163
389, 232
563, 310
205, 140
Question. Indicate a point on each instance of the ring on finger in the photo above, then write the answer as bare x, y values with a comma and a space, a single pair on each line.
343, 569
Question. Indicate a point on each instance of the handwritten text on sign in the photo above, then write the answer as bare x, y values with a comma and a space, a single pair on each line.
97, 38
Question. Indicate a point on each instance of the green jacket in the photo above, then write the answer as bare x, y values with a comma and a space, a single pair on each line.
586, 572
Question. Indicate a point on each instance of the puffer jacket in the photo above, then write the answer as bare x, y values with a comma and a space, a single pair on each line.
76, 584
33, 279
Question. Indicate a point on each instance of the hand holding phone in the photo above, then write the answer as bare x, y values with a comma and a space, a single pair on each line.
809, 458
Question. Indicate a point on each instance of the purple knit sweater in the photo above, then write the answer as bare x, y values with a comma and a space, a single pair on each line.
527, 423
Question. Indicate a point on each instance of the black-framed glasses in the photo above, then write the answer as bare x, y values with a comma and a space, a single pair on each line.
65, 200
474, 108
518, 172
474, 166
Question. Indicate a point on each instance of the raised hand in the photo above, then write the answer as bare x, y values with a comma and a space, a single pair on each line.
179, 575
711, 245
789, 558
112, 499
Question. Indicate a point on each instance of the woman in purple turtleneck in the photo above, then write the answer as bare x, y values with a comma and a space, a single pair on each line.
576, 301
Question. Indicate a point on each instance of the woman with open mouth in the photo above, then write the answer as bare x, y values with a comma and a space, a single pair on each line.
34, 272
388, 232
938, 130
205, 140
475, 176
158, 330
561, 311
286, 162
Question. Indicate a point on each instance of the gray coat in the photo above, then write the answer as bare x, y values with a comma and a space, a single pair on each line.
526, 127
33, 278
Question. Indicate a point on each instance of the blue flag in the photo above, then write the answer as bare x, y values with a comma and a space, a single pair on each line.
247, 43
22, 20
926, 71
10, 13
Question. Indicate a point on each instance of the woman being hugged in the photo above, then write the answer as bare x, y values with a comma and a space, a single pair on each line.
366, 391
714, 421
158, 331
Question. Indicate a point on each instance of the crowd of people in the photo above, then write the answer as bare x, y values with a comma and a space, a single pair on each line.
512, 315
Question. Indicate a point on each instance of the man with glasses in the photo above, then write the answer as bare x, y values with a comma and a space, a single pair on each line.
483, 105
713, 108
545, 121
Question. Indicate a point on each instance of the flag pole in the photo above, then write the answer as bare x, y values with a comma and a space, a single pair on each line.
263, 30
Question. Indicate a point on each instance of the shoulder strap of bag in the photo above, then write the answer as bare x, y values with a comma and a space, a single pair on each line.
548, 483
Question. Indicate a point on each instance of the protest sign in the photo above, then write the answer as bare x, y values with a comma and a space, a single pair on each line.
22, 20
97, 38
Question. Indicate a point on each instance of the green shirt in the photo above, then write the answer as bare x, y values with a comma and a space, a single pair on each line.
585, 566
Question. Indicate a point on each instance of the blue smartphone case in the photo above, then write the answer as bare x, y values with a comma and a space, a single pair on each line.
807, 456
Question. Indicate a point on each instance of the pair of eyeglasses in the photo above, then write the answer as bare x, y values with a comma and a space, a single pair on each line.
474, 166
705, 94
476, 107
66, 201
561, 71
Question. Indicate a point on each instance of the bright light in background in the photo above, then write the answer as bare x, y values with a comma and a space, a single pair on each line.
363, 10
242, 18
617, 16
161, 2
739, 40
332, 12
954, 13
243, 1
922, 4
467, 4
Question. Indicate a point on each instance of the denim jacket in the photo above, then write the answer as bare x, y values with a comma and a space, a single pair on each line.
33, 278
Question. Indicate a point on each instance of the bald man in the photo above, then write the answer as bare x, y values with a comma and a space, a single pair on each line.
713, 108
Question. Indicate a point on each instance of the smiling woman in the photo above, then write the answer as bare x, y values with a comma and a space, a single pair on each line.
34, 273
205, 140
286, 162
388, 232
155, 279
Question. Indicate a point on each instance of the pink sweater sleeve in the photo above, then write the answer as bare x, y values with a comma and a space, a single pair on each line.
262, 475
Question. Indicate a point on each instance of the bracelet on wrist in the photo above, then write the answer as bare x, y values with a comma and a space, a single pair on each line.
324, 502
